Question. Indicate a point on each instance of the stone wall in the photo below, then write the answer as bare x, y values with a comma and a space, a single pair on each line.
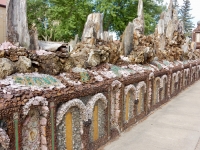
88, 115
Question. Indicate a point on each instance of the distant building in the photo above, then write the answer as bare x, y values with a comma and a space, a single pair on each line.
2, 20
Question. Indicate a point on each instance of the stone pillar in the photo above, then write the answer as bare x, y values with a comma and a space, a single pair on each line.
16, 128
52, 117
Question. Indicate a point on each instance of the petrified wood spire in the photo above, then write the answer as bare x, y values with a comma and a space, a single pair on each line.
93, 28
17, 26
138, 22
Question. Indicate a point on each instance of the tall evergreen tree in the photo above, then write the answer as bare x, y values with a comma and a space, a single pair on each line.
186, 17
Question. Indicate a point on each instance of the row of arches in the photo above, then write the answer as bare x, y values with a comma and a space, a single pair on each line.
121, 105
134, 100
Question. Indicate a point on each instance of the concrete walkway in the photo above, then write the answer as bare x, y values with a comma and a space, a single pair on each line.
174, 126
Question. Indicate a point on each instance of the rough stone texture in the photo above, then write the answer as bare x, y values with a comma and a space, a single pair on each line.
93, 28
31, 131
138, 23
76, 129
86, 55
127, 40
61, 138
61, 129
4, 140
23, 64
6, 67
17, 25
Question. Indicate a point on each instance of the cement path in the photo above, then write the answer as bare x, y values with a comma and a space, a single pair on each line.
174, 126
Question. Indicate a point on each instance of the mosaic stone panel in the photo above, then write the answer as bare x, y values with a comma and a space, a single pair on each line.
97, 131
31, 131
129, 106
75, 134
140, 107
40, 80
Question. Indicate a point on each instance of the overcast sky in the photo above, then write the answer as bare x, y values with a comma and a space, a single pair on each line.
195, 12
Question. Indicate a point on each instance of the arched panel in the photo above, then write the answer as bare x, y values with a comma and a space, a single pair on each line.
140, 94
69, 130
69, 122
164, 82
157, 86
96, 111
31, 135
129, 98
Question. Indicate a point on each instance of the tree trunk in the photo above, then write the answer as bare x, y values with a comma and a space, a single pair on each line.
17, 26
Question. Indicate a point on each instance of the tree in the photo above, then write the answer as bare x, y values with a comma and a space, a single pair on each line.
70, 16
37, 15
118, 13
186, 17
66, 18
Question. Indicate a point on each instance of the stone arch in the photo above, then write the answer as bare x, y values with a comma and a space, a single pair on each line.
140, 95
179, 78
69, 124
115, 107
4, 139
185, 76
129, 99
174, 80
193, 74
91, 103
96, 112
34, 101
156, 89
72, 103
41, 115
164, 81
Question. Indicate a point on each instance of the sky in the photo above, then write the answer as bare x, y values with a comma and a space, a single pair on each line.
195, 6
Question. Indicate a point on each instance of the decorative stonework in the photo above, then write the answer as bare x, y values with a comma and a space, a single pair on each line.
174, 80
91, 103
42, 118
163, 78
157, 87
128, 88
186, 76
31, 131
163, 82
34, 101
65, 107
31, 81
151, 75
138, 87
129, 99
115, 108
140, 91
4, 139
69, 130
116, 83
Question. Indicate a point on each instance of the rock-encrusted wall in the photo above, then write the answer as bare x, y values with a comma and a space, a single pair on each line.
81, 95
